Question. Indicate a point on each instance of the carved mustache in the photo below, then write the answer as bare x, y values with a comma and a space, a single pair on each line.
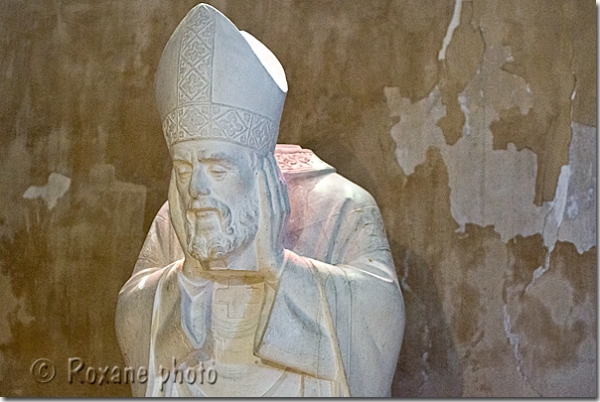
211, 204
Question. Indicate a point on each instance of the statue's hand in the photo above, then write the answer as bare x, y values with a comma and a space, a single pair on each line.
274, 214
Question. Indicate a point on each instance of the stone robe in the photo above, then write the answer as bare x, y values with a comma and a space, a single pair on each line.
336, 317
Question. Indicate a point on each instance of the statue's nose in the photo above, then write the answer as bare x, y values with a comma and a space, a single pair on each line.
199, 185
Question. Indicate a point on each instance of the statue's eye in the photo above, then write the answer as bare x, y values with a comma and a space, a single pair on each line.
218, 172
183, 171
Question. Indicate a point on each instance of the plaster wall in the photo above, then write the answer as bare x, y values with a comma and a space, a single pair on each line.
471, 122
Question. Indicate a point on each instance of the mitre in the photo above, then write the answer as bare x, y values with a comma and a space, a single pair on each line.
216, 82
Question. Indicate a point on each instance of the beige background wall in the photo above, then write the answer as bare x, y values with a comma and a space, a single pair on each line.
477, 138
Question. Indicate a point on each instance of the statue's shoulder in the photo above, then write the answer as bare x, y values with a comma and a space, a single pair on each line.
296, 162
135, 306
137, 295
303, 169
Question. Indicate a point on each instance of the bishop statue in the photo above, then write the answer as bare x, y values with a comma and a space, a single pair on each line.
265, 265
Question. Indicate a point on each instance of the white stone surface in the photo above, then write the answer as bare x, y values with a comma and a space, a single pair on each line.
269, 269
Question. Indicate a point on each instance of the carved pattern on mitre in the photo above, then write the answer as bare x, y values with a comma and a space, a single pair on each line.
196, 116
212, 121
195, 60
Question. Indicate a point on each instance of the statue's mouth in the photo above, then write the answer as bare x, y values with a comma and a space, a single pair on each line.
207, 218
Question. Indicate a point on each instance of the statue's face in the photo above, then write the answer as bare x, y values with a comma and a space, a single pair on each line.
216, 182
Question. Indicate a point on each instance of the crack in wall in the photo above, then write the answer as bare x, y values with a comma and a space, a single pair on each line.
539, 271
514, 340
451, 27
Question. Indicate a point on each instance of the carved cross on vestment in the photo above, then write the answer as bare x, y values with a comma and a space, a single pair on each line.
237, 297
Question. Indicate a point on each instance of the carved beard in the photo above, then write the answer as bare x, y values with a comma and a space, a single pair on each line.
236, 229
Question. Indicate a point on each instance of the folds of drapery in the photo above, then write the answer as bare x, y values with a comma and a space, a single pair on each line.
337, 312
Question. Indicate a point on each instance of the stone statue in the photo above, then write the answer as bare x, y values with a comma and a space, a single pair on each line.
282, 284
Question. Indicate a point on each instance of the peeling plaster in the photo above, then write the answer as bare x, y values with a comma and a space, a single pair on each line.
555, 209
579, 219
497, 187
57, 187
538, 272
417, 129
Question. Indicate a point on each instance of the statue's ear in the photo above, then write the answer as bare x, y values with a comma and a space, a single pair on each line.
177, 213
